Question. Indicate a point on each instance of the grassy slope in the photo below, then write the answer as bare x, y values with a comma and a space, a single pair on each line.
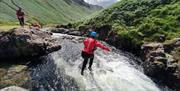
45, 11
139, 21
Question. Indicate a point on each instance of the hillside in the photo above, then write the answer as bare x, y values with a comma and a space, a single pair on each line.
140, 21
46, 11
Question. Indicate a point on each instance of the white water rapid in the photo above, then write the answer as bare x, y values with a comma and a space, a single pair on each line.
113, 71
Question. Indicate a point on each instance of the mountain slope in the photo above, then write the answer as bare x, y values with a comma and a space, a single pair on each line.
139, 21
46, 11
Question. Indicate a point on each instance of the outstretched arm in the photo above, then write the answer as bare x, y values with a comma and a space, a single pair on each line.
98, 44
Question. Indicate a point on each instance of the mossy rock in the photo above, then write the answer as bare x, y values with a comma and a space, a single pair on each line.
16, 75
176, 54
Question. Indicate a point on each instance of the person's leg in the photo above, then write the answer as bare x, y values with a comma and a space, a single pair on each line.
91, 62
84, 65
22, 21
85, 57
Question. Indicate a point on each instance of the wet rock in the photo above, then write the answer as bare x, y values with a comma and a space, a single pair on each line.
152, 46
76, 33
160, 60
21, 43
59, 30
13, 88
15, 75
153, 67
161, 65
152, 49
158, 53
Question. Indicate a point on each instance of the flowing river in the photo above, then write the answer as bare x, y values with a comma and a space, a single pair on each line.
113, 71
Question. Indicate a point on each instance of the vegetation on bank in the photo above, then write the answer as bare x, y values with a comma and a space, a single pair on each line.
45, 11
140, 21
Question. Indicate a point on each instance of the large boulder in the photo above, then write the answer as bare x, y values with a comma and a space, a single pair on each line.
160, 65
151, 49
21, 43
13, 88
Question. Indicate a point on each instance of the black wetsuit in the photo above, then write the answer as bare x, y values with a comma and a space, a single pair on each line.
87, 57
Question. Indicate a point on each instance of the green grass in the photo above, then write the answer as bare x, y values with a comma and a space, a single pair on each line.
44, 11
139, 21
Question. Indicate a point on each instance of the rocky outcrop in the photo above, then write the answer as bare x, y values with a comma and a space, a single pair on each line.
16, 75
17, 46
162, 65
13, 88
21, 43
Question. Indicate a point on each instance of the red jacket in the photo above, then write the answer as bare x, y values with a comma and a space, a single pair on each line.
20, 14
90, 45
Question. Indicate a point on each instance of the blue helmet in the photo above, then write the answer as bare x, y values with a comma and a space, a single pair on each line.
93, 34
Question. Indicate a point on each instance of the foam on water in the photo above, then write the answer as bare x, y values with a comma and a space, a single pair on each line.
112, 71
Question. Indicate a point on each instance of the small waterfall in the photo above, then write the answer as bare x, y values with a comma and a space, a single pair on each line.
113, 71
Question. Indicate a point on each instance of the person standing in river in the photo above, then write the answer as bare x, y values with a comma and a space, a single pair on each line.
20, 15
90, 45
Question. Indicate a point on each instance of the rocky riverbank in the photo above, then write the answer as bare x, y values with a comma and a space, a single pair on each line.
17, 47
162, 62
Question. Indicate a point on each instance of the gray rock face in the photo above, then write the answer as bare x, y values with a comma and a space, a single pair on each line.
21, 43
160, 65
13, 88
